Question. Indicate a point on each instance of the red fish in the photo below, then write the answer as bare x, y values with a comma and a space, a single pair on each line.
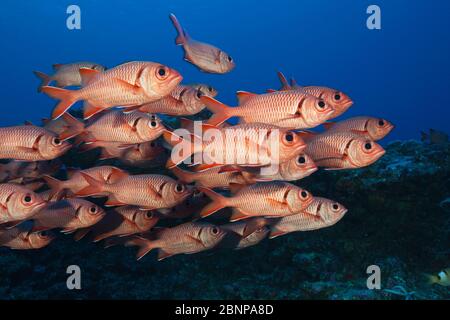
368, 127
30, 143
204, 56
66, 74
122, 221
270, 199
148, 191
287, 109
22, 239
18, 203
127, 85
187, 238
68, 214
319, 214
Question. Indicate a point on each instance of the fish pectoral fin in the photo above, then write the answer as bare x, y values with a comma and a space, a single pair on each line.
163, 254
277, 204
129, 87
358, 131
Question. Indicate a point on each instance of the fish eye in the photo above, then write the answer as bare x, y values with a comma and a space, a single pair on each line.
381, 122
56, 141
321, 104
153, 124
161, 73
149, 214
199, 94
301, 159
179, 187
289, 137
368, 146
335, 206
215, 230
27, 198
230, 59
93, 209
304, 194
210, 89
337, 97
43, 233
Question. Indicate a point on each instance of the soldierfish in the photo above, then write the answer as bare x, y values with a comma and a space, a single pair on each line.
188, 103
23, 239
319, 214
18, 203
442, 278
76, 182
30, 143
211, 178
293, 169
252, 144
270, 199
127, 85
249, 231
66, 74
116, 126
187, 238
148, 191
121, 221
28, 170
368, 127
287, 109
338, 100
68, 214
206, 90
204, 56
191, 206
342, 150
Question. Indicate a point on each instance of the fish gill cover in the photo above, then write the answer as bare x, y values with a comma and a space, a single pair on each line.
153, 160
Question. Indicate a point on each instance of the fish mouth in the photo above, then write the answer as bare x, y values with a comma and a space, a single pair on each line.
377, 155
65, 148
311, 170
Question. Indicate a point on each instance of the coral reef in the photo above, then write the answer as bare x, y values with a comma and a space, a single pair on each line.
397, 219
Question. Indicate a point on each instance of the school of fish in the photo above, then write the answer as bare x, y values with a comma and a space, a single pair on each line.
229, 201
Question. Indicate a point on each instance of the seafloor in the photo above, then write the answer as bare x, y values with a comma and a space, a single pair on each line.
398, 219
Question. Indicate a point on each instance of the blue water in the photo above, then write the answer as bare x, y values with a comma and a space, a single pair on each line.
400, 72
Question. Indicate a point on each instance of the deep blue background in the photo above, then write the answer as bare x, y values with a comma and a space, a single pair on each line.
400, 73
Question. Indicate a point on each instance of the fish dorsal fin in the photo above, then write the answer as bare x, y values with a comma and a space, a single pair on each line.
305, 134
328, 125
116, 175
271, 90
244, 96
236, 187
87, 75
294, 83
284, 83
28, 123
56, 66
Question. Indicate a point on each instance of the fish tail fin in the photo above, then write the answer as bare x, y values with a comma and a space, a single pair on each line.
144, 245
423, 136
221, 111
94, 186
182, 36
187, 149
75, 127
431, 279
55, 185
67, 98
45, 79
218, 202
284, 83
183, 175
